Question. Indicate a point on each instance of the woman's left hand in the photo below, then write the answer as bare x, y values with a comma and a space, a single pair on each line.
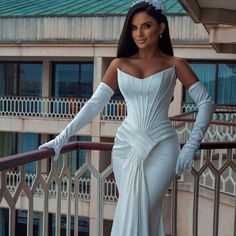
185, 160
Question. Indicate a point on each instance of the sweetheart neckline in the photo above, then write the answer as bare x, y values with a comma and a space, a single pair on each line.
150, 76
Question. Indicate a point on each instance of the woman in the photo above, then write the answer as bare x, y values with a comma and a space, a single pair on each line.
146, 154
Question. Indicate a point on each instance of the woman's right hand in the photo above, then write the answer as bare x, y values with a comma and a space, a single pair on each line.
56, 144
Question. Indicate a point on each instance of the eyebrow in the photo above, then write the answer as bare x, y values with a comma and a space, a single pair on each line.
148, 22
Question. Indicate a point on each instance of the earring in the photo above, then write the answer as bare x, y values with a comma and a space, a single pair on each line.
160, 35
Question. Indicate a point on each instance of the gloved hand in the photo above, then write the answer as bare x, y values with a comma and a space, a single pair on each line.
185, 160
88, 112
206, 106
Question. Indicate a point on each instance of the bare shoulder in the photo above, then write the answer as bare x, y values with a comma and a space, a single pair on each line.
116, 62
184, 72
178, 62
110, 77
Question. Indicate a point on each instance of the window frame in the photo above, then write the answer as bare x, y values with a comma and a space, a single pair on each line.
54, 63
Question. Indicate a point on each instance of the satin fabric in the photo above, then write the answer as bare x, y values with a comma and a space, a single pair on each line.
144, 154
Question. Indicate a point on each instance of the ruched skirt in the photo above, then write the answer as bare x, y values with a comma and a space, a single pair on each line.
142, 183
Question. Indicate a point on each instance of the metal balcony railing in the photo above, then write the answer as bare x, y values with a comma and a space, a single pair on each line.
65, 182
218, 131
24, 106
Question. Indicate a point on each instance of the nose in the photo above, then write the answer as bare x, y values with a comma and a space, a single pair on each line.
140, 32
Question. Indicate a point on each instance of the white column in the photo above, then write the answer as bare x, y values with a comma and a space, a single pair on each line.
46, 82
95, 133
46, 78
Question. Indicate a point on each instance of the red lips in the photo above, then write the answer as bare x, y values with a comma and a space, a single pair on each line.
141, 41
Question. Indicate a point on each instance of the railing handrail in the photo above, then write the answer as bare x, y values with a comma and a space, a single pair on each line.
214, 122
179, 116
36, 155
228, 112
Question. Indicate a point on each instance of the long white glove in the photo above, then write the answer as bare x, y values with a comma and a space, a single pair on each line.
88, 112
206, 107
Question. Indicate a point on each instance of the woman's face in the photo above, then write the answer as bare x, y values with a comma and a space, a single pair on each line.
145, 30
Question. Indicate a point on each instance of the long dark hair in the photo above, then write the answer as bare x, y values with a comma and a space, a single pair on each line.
127, 46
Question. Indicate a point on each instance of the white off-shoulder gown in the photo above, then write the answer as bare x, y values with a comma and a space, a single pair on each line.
144, 154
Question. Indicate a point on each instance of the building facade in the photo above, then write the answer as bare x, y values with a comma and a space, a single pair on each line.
54, 55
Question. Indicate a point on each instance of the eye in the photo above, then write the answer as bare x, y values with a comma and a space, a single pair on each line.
147, 26
133, 27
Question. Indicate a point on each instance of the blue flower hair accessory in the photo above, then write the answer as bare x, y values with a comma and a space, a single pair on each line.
155, 3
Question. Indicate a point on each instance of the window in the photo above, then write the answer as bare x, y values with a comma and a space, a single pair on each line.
13, 143
83, 225
220, 80
226, 84
8, 144
4, 221
28, 142
20, 79
72, 80
30, 77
